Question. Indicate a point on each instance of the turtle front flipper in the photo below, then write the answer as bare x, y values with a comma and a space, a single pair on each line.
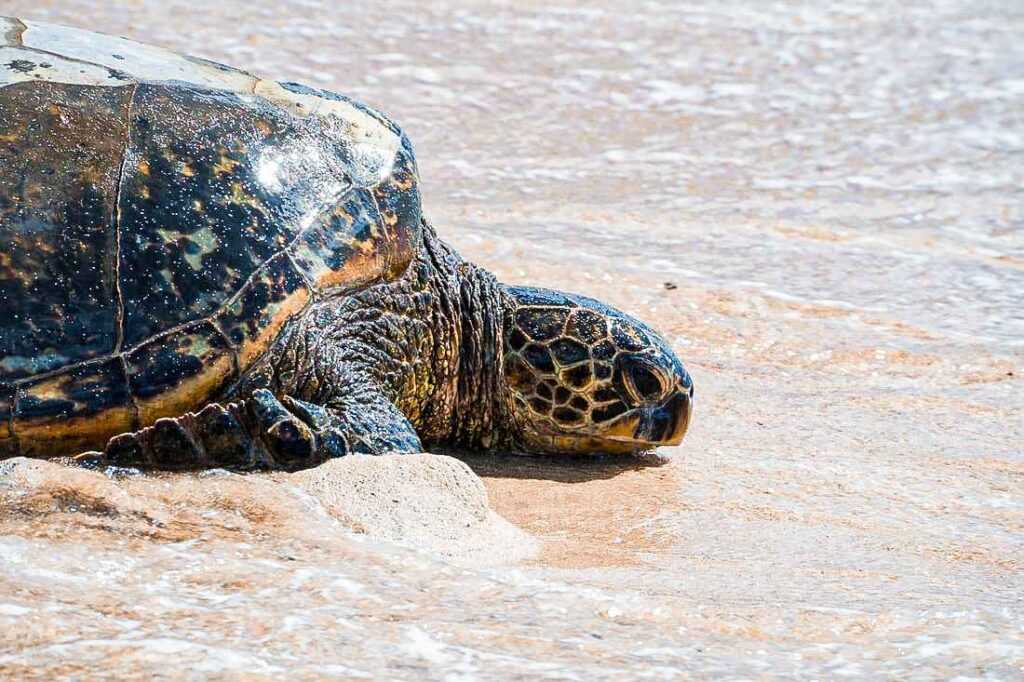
258, 433
371, 424
263, 432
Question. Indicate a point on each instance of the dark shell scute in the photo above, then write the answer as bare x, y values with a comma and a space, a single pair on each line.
519, 375
86, 390
59, 166
568, 351
207, 201
517, 339
567, 415
587, 326
605, 350
629, 337
539, 358
580, 403
168, 362
263, 306
540, 406
578, 377
608, 412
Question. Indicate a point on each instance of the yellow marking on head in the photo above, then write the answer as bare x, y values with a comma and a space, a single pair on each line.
144, 167
593, 444
624, 428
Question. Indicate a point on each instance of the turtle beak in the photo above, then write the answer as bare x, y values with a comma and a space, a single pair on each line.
665, 424
653, 426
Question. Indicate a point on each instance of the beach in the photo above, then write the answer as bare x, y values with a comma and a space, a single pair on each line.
820, 207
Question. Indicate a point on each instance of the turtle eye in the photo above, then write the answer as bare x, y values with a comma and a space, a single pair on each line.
645, 383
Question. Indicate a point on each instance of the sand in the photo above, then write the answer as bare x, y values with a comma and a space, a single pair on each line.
818, 204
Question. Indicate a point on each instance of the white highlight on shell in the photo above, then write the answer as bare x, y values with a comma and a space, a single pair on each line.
372, 144
267, 171
304, 173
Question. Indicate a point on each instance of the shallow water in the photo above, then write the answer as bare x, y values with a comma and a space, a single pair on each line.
834, 192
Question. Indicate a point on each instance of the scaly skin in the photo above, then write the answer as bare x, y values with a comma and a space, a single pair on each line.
429, 343
421, 361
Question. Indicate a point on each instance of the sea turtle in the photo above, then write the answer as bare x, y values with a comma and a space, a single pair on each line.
199, 267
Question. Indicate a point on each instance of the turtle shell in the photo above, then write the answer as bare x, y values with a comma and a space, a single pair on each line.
161, 217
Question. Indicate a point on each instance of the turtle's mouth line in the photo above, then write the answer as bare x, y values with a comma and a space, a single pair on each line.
626, 439
636, 445
650, 427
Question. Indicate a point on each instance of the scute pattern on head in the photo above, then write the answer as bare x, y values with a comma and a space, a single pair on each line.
574, 367
550, 357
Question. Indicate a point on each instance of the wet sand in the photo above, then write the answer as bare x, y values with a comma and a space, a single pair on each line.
819, 205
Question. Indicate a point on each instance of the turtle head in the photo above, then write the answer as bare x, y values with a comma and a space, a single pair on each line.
583, 377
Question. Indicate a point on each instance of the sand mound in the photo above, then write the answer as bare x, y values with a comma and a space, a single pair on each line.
431, 503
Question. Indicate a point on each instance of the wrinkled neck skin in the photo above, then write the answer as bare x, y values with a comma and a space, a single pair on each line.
431, 342
470, 309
